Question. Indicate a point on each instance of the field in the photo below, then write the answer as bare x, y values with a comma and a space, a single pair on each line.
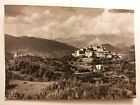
29, 87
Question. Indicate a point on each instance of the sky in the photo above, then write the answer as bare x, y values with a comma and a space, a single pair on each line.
65, 22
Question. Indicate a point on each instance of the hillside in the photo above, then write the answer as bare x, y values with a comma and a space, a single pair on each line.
110, 47
37, 46
118, 49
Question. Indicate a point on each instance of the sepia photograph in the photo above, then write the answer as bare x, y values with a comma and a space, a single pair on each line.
69, 53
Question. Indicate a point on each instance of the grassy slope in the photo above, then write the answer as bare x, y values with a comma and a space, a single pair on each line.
29, 87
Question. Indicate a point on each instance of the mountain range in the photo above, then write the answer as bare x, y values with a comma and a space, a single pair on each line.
37, 46
119, 41
63, 47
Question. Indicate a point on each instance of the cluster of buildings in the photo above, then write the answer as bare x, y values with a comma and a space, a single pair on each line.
95, 51
17, 54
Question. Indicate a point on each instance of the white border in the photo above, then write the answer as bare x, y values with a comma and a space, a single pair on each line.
116, 4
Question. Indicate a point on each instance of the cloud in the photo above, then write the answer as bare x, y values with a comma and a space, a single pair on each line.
13, 10
114, 23
121, 11
59, 22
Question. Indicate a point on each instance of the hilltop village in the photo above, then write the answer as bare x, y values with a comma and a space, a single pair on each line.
97, 55
96, 51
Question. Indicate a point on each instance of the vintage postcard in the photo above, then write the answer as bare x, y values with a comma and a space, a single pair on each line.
67, 53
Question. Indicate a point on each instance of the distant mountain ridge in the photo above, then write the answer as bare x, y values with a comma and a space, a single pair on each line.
37, 46
120, 41
123, 50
